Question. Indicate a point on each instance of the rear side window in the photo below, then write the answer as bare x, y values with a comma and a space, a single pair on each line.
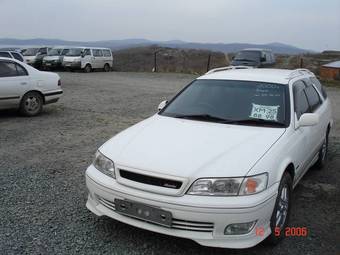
97, 53
21, 71
5, 55
319, 86
107, 53
313, 98
11, 69
17, 56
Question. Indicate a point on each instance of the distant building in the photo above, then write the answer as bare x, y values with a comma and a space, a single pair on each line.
330, 71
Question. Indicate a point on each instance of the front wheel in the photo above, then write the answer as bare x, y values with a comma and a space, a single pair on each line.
31, 104
281, 212
88, 68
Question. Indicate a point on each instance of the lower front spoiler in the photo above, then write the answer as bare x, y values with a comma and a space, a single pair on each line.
220, 218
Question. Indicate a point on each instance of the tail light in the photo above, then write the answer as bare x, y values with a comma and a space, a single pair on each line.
59, 82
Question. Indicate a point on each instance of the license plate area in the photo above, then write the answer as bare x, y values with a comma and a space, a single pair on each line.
143, 212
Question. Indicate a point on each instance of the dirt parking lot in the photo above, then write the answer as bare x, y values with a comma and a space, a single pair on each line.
43, 160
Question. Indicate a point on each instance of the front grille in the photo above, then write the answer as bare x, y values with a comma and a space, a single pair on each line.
151, 180
179, 224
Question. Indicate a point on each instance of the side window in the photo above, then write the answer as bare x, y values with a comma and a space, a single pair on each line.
43, 50
300, 100
107, 53
21, 71
313, 98
17, 56
5, 55
7, 69
87, 52
97, 53
319, 86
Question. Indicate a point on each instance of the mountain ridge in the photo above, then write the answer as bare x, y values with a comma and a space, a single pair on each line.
118, 44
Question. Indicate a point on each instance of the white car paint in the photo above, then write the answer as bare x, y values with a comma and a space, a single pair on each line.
12, 89
187, 150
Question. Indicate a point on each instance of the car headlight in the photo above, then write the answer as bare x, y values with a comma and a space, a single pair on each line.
104, 165
229, 186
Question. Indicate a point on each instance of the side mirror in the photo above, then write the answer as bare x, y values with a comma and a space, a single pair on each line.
308, 119
162, 105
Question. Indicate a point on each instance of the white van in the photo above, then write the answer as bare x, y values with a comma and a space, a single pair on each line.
88, 58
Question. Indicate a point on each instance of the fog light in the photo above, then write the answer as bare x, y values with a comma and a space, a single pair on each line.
239, 228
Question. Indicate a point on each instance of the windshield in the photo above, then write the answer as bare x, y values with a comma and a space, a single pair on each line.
74, 52
248, 56
64, 52
30, 52
54, 52
245, 102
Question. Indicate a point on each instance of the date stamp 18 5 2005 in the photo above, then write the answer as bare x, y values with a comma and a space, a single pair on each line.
288, 231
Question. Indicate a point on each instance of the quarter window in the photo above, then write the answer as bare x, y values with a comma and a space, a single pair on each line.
107, 53
97, 53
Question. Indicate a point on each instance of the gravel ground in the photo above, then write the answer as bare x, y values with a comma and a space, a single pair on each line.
43, 160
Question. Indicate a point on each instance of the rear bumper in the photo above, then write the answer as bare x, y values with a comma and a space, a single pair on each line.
101, 202
52, 96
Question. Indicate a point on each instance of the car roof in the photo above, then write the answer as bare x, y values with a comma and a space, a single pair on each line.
281, 76
256, 49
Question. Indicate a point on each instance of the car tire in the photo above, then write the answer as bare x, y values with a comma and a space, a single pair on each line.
107, 68
281, 212
88, 68
31, 104
323, 153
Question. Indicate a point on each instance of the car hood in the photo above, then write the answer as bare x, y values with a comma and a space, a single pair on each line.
71, 59
190, 149
49, 58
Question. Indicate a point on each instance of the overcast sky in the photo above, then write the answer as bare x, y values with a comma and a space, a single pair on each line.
310, 24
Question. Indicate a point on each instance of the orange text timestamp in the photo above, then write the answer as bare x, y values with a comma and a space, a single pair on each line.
288, 231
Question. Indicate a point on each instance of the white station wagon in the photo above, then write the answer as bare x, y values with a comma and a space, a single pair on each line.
26, 88
219, 161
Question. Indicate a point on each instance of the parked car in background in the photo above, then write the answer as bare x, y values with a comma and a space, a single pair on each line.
218, 163
254, 58
88, 59
26, 88
54, 58
12, 54
34, 56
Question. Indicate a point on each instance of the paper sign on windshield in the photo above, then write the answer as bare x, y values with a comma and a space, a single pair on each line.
265, 112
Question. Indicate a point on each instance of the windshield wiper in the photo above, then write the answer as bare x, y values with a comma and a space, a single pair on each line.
244, 59
204, 117
258, 121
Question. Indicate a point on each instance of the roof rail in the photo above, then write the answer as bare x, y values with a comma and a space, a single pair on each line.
225, 68
298, 72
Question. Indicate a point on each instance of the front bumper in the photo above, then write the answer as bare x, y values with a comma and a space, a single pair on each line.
188, 217
72, 65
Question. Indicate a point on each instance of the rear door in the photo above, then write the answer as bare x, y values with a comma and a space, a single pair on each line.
14, 81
